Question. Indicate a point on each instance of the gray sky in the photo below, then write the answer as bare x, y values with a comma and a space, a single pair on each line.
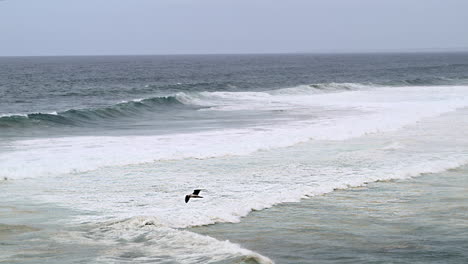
89, 27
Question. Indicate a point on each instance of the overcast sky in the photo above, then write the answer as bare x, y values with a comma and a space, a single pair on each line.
91, 27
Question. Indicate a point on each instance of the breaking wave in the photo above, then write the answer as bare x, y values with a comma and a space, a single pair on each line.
153, 105
83, 117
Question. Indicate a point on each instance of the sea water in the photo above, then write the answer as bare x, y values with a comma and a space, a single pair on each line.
97, 154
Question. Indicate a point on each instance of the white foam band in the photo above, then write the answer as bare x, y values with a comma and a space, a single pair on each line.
338, 116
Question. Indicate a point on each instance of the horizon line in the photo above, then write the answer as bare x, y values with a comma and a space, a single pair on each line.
407, 51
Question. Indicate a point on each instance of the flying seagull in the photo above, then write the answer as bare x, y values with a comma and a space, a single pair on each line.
192, 195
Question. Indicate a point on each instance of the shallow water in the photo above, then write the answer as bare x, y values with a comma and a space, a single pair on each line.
421, 220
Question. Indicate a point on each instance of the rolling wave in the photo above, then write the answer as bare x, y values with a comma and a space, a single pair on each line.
135, 108
83, 117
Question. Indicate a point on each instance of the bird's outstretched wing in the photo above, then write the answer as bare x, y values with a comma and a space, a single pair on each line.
187, 198
196, 192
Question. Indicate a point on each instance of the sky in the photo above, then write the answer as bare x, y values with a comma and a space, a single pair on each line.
125, 27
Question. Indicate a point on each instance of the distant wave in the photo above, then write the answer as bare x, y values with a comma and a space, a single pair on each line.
429, 81
350, 86
323, 88
165, 88
240, 86
432, 81
453, 66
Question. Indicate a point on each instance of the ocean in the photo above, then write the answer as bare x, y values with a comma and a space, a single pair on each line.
301, 158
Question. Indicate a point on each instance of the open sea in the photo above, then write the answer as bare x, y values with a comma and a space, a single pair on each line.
302, 158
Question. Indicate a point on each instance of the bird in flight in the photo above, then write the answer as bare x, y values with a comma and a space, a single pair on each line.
192, 195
